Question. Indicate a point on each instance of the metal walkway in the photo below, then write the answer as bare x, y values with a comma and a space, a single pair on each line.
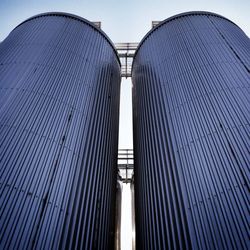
126, 53
125, 164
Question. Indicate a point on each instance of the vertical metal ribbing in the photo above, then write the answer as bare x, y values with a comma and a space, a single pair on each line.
191, 114
59, 96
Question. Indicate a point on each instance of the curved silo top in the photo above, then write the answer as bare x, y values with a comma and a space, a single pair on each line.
169, 19
75, 17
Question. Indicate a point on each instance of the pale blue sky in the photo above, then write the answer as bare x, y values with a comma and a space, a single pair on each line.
123, 21
127, 20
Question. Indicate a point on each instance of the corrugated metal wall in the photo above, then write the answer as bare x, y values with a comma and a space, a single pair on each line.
59, 114
191, 113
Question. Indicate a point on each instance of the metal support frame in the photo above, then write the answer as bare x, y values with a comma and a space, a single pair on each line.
126, 53
125, 164
155, 23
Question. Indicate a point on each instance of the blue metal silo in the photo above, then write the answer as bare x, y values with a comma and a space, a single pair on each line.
59, 114
191, 113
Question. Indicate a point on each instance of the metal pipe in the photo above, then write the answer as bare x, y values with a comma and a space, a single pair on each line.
118, 215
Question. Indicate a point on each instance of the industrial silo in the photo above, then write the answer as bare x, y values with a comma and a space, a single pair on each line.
191, 113
59, 114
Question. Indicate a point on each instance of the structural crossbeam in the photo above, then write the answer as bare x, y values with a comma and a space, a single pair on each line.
126, 53
125, 163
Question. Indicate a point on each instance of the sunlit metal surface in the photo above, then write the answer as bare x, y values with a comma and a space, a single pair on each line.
126, 218
191, 113
59, 114
132, 188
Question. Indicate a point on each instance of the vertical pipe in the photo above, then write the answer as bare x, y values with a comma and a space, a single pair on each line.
118, 215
